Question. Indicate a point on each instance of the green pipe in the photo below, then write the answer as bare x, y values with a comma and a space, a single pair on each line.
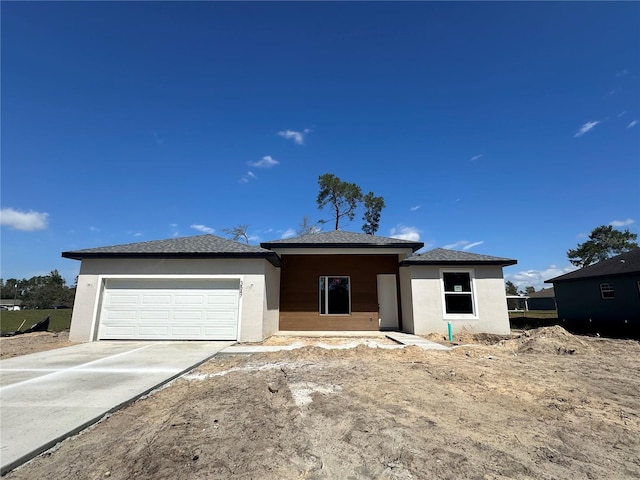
450, 329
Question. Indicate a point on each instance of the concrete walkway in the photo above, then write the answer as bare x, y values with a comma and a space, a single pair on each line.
49, 396
414, 340
364, 338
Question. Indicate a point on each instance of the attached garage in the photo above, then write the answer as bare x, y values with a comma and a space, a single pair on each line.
169, 309
193, 288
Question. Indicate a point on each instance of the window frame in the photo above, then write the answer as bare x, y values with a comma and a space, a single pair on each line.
444, 293
607, 287
326, 299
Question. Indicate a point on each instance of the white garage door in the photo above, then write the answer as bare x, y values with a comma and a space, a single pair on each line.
169, 309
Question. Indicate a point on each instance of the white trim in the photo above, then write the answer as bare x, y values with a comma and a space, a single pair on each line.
103, 284
326, 299
474, 293
607, 287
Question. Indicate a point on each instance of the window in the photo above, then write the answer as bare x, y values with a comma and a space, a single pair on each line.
458, 293
335, 296
607, 292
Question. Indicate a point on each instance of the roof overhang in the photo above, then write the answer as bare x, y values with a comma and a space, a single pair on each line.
271, 257
503, 263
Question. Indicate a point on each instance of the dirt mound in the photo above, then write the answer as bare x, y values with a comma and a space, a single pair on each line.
549, 340
465, 337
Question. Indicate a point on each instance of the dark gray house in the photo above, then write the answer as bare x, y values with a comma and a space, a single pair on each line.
545, 299
602, 298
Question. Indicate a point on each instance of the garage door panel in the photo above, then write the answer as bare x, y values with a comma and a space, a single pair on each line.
163, 309
154, 315
148, 299
119, 299
182, 299
125, 330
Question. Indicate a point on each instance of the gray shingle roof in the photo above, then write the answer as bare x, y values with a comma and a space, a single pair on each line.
624, 264
441, 256
544, 293
342, 239
199, 246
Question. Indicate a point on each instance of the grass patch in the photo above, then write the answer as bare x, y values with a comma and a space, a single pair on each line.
59, 319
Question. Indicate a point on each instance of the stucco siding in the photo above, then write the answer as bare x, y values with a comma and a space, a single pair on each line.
490, 302
255, 308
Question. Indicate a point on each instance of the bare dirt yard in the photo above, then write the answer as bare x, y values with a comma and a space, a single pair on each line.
32, 343
541, 405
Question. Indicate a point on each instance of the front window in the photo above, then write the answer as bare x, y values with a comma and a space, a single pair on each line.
458, 293
335, 296
607, 292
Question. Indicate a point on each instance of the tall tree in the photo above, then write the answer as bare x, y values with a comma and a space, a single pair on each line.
307, 228
510, 288
604, 242
342, 197
373, 206
237, 233
529, 290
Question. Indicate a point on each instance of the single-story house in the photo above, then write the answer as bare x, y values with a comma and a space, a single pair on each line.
544, 299
10, 304
209, 288
603, 297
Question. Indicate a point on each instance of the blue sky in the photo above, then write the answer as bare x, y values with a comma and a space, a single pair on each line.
508, 129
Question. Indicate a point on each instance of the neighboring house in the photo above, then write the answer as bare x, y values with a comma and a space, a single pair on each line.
603, 297
10, 304
545, 299
209, 288
517, 303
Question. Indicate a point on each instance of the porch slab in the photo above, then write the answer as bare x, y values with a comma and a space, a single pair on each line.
414, 340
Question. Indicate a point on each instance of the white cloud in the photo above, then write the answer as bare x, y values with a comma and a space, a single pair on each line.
288, 233
632, 124
202, 228
137, 234
27, 221
254, 238
413, 209
463, 244
586, 127
475, 157
297, 137
244, 180
402, 232
94, 229
622, 223
251, 174
473, 244
173, 225
267, 162
536, 278
621, 114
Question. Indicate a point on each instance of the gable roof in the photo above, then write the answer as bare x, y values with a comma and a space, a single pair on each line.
199, 246
342, 239
544, 293
624, 264
441, 256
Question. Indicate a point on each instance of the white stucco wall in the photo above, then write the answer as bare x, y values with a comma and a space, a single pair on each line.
258, 314
426, 309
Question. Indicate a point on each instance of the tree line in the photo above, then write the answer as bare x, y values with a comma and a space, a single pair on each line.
42, 291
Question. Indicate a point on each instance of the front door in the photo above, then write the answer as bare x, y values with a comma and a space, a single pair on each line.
387, 302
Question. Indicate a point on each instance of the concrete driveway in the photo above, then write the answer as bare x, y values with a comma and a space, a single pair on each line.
48, 396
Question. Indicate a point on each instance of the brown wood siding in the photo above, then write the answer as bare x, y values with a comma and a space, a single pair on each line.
300, 297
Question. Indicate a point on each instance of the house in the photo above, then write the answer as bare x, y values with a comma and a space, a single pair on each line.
603, 297
10, 304
209, 288
544, 299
